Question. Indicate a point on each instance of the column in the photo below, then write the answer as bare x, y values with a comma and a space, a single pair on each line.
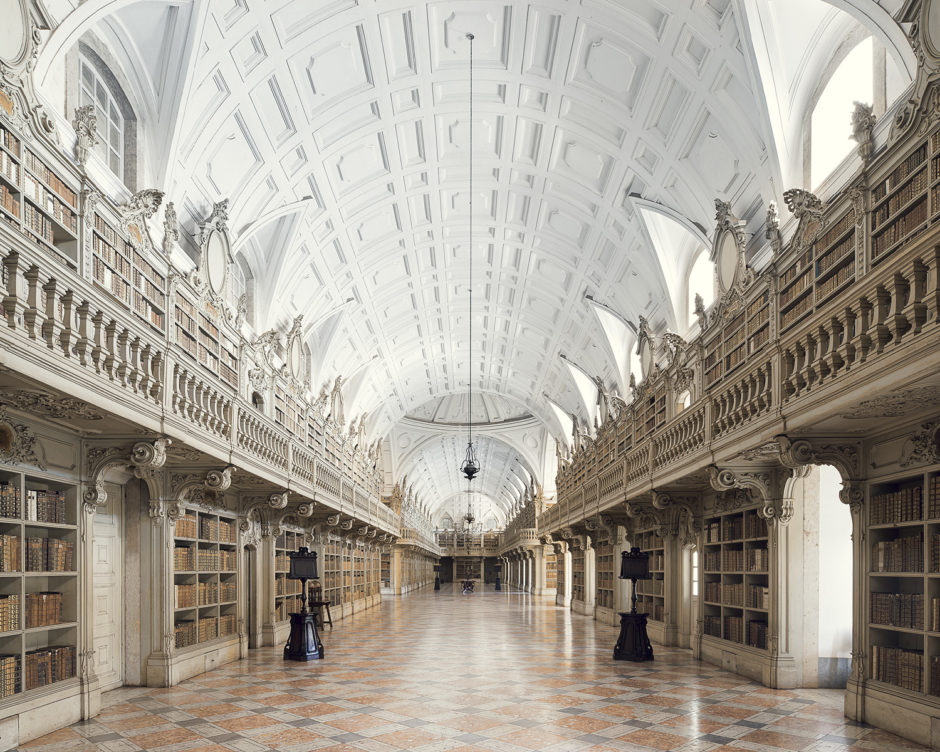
590, 574
266, 601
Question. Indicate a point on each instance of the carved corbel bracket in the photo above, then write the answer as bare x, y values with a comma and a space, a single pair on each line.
845, 455
220, 480
346, 524
776, 506
99, 460
660, 500
278, 500
17, 443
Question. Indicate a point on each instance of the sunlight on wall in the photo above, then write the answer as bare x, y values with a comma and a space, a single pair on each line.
831, 127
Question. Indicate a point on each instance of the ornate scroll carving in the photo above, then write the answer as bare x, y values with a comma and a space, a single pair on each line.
923, 447
135, 213
278, 500
17, 443
86, 133
863, 123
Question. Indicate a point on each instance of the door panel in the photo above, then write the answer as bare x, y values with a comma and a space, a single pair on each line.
108, 594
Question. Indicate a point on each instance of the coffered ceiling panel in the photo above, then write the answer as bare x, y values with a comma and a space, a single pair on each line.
359, 112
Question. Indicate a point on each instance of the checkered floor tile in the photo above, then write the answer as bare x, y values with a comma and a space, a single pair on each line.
501, 672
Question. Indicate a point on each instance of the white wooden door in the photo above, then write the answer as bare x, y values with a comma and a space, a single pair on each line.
108, 556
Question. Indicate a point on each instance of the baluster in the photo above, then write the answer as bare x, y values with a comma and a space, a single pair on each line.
122, 371
836, 360
67, 333
823, 345
811, 373
97, 351
915, 311
32, 315
13, 304
882, 332
110, 364
800, 373
50, 326
156, 376
932, 292
900, 294
143, 379
83, 346
789, 369
864, 324
133, 362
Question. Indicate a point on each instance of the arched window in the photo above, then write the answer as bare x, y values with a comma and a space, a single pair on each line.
701, 282
95, 91
830, 125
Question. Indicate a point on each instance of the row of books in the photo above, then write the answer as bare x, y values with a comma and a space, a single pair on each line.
184, 558
39, 169
909, 165
711, 625
900, 555
899, 666
756, 560
11, 555
38, 223
933, 497
836, 281
285, 586
712, 561
757, 633
733, 628
43, 609
49, 203
147, 311
8, 201
935, 552
903, 505
898, 609
9, 612
758, 596
912, 219
186, 526
9, 675
914, 186
185, 633
43, 505
49, 555
9, 141
287, 607
49, 665
208, 593
226, 625
9, 499
184, 596
9, 168
791, 315
647, 587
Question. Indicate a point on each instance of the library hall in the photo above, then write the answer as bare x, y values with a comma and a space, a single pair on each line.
469, 375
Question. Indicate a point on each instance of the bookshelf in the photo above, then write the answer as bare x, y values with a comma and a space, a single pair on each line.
651, 593
903, 603
35, 199
935, 176
899, 202
286, 590
386, 569
288, 412
332, 571
127, 275
735, 571
577, 574
38, 582
205, 579
604, 558
196, 331
551, 572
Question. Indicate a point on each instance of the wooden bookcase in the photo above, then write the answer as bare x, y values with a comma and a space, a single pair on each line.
39, 612
742, 334
900, 202
551, 572
198, 333
35, 199
577, 574
126, 274
288, 412
735, 570
332, 571
604, 561
651, 597
286, 590
903, 604
386, 569
205, 579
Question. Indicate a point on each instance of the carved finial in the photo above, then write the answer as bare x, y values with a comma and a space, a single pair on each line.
772, 228
171, 229
143, 204
863, 123
86, 133
700, 311
803, 203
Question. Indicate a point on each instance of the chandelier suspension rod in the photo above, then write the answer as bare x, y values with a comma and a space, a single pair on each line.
470, 282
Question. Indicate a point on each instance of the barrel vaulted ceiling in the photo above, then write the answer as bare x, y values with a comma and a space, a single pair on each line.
339, 131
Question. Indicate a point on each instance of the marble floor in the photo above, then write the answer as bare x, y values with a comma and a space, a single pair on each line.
487, 671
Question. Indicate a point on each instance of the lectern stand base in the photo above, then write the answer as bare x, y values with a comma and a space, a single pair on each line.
633, 643
304, 643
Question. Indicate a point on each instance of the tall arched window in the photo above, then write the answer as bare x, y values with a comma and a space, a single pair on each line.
96, 91
830, 126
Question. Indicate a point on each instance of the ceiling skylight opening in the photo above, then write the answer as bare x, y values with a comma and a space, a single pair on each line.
831, 124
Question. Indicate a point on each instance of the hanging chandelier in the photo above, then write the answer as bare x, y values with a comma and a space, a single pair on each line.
471, 465
468, 517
